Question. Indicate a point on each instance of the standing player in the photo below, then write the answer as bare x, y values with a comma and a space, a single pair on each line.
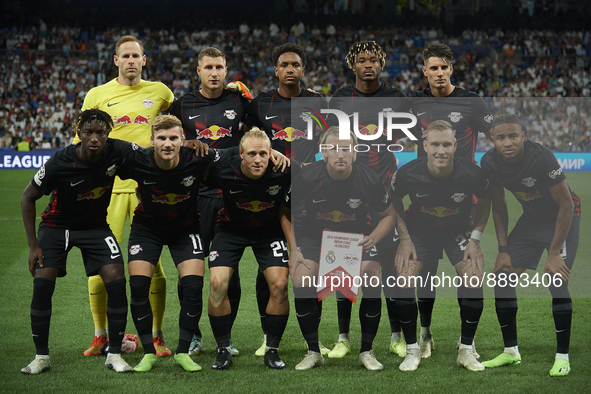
367, 98
253, 195
337, 194
212, 115
468, 114
550, 220
441, 189
272, 112
168, 176
133, 104
80, 180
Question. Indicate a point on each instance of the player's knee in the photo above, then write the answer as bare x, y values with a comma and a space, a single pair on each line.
140, 289
192, 288
117, 296
42, 292
279, 288
112, 272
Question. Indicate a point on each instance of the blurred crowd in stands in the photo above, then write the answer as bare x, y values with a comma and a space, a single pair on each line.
46, 71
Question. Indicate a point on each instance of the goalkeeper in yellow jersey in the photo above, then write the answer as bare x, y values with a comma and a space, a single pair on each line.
133, 104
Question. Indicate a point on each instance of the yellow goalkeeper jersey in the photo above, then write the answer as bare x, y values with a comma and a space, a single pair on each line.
133, 109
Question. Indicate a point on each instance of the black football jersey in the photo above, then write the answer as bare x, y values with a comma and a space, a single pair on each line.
466, 111
251, 205
273, 113
440, 206
80, 192
530, 180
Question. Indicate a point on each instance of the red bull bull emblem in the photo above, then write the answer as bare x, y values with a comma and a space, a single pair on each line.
205, 133
93, 194
122, 120
135, 249
170, 198
455, 117
354, 202
188, 181
147, 103
214, 132
335, 216
255, 206
230, 114
527, 196
529, 181
351, 259
458, 197
288, 134
140, 119
273, 190
111, 170
440, 212
370, 129
213, 255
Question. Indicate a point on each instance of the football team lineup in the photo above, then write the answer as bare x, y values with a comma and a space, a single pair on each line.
216, 203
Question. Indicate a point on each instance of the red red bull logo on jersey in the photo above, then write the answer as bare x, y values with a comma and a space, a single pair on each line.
188, 181
170, 198
135, 249
273, 190
354, 202
93, 194
111, 170
214, 132
527, 196
288, 134
213, 255
147, 103
255, 206
230, 114
335, 216
127, 119
455, 117
529, 181
440, 212
458, 197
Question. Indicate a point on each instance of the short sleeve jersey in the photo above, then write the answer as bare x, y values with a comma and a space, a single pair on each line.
251, 205
215, 122
466, 111
351, 100
530, 180
133, 109
169, 197
80, 192
272, 112
342, 205
440, 206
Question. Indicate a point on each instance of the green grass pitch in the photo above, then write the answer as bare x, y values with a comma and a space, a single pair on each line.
72, 329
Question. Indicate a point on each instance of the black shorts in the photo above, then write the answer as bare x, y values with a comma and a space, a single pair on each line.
145, 244
98, 246
391, 240
430, 248
310, 249
208, 214
527, 242
269, 250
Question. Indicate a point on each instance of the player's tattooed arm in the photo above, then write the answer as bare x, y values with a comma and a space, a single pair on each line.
406, 249
555, 264
30, 195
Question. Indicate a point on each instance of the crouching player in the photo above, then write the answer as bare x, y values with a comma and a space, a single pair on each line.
253, 195
168, 177
80, 180
441, 188
331, 190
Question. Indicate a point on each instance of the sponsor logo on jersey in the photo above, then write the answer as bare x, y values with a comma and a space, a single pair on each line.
170, 198
188, 181
288, 134
135, 249
273, 190
527, 196
213, 255
230, 114
335, 216
440, 212
455, 117
529, 181
214, 132
354, 202
458, 197
39, 176
126, 119
553, 174
330, 257
111, 170
306, 116
370, 129
351, 259
93, 194
255, 206
147, 103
